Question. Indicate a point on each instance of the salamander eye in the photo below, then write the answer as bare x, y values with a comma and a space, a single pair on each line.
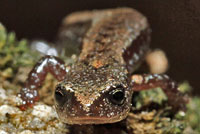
60, 95
117, 95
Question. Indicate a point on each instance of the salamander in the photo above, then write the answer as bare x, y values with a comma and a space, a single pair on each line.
98, 87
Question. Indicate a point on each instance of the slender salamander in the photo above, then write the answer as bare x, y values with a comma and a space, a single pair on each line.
98, 87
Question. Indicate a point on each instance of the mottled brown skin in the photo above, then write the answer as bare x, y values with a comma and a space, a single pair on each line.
99, 85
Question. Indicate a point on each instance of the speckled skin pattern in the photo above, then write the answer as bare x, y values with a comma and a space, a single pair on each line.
98, 87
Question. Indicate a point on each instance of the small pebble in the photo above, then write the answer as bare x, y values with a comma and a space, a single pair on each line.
6, 109
26, 132
3, 95
44, 112
3, 132
157, 61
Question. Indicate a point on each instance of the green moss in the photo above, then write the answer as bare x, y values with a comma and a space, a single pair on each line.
185, 87
160, 122
146, 97
193, 114
182, 122
14, 53
2, 36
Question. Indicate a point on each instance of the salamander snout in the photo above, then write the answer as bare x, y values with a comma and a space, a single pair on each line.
108, 106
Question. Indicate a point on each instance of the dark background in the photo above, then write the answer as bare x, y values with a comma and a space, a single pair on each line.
175, 25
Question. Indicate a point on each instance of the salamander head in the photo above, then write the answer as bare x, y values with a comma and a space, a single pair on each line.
91, 95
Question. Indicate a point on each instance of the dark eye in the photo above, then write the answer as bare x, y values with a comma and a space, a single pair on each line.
117, 95
59, 95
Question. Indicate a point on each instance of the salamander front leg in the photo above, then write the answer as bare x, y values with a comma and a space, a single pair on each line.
148, 81
47, 64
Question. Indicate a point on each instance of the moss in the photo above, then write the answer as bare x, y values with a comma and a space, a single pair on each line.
14, 53
162, 121
150, 115
145, 98
193, 114
2, 36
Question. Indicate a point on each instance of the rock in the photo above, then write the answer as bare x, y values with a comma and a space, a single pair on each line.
44, 112
6, 109
3, 132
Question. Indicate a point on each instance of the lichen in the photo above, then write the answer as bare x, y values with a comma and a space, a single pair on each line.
150, 113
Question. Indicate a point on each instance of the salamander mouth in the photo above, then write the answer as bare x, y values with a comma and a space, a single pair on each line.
92, 120
83, 120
